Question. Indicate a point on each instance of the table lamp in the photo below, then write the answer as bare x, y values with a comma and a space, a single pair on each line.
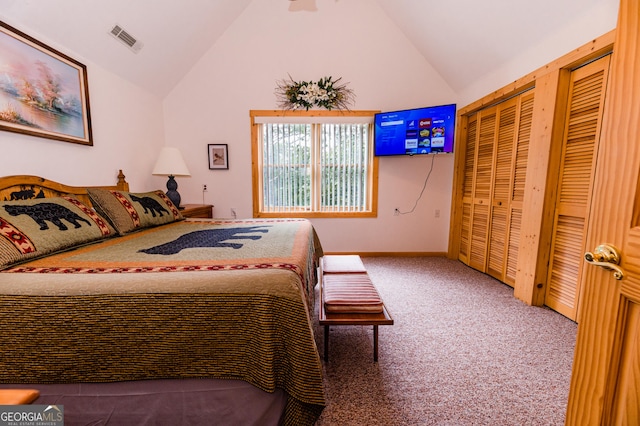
170, 163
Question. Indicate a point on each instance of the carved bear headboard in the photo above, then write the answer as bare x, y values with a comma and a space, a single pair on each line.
23, 187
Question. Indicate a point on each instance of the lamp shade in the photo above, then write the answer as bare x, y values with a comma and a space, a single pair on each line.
170, 163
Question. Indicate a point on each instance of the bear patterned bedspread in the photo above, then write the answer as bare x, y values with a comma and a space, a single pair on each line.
195, 298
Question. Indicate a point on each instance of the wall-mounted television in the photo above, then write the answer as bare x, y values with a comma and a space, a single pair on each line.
427, 130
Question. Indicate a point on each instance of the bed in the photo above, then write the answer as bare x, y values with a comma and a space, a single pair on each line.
127, 313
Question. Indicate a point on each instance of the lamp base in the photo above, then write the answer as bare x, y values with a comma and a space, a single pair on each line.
172, 192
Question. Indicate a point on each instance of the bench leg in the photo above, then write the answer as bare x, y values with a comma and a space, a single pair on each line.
326, 343
375, 343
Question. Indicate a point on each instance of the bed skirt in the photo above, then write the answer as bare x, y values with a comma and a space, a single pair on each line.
163, 401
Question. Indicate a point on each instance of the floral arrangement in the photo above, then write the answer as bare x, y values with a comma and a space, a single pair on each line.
325, 93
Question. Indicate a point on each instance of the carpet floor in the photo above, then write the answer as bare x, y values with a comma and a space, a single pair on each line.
462, 351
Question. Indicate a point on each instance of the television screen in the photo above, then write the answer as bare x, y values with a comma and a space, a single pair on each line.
415, 131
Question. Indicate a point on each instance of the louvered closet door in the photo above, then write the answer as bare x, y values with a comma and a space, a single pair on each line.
483, 181
497, 146
518, 180
503, 177
467, 188
513, 130
579, 151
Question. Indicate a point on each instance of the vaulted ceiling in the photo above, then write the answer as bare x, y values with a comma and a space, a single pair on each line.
461, 39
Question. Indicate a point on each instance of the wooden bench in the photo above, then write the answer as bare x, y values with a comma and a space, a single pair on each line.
348, 297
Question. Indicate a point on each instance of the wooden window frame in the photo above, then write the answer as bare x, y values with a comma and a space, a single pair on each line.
312, 116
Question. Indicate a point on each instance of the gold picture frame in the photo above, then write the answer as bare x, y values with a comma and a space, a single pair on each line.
44, 92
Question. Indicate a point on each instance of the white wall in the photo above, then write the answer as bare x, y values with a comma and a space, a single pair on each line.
580, 28
350, 39
127, 131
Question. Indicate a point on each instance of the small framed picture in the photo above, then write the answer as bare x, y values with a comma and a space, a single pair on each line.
218, 156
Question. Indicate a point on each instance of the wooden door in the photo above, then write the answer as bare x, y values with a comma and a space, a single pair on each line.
467, 188
505, 142
586, 98
494, 175
482, 187
513, 131
519, 177
605, 383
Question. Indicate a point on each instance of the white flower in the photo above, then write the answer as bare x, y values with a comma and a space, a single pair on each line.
325, 93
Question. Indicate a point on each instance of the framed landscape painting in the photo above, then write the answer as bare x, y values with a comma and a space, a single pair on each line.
42, 92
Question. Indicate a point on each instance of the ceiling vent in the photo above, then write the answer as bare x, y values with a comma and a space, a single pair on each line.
126, 38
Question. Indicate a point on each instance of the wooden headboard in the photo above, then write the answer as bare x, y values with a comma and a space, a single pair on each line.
22, 187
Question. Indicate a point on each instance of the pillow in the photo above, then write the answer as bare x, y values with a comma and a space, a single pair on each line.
41, 226
129, 212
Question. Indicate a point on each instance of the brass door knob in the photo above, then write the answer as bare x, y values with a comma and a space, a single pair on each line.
607, 257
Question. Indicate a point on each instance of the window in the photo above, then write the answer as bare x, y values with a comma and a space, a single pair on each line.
313, 164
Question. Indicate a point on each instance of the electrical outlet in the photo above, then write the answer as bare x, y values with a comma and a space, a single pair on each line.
233, 212
204, 187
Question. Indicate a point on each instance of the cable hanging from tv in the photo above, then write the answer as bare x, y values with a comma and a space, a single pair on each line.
424, 186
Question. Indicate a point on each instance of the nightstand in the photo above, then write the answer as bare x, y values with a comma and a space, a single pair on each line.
197, 210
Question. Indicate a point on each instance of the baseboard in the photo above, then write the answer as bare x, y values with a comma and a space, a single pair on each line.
395, 253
